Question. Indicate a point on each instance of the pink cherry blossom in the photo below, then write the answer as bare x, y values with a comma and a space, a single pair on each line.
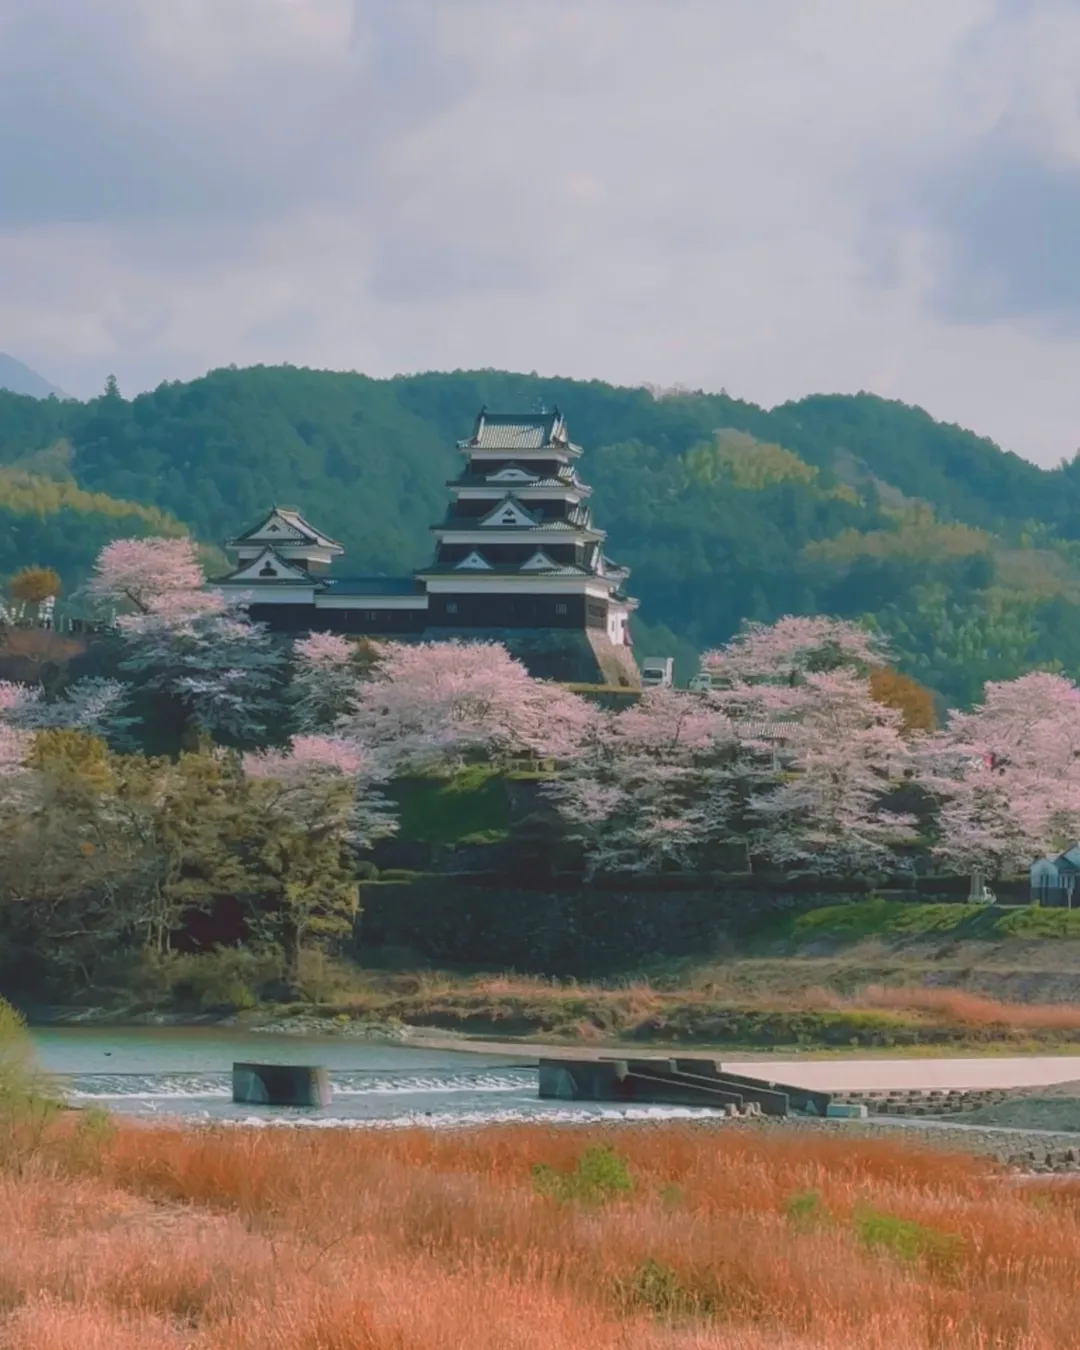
843, 752
324, 680
307, 755
794, 645
433, 703
146, 574
14, 747
323, 649
645, 787
1005, 775
325, 782
15, 699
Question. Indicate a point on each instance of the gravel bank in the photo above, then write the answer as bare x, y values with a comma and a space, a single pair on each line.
1054, 1107
1028, 1150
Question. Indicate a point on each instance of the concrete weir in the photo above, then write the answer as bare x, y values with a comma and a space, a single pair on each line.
280, 1085
674, 1082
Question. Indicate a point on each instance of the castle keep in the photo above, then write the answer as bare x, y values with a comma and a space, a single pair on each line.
517, 560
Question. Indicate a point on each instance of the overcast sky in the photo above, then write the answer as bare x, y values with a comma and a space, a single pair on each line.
775, 197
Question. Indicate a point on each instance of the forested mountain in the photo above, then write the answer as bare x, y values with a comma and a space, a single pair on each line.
968, 556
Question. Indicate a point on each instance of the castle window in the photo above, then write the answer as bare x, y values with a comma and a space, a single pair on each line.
370, 615
268, 570
560, 608
451, 606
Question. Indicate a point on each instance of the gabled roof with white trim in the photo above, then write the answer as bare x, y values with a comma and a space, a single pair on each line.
270, 567
508, 512
285, 525
473, 562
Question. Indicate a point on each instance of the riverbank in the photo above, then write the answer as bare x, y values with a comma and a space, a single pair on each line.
873, 976
510, 1012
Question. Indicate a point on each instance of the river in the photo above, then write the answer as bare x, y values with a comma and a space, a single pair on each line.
165, 1073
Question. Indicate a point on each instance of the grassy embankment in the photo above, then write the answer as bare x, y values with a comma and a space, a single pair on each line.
869, 974
114, 1237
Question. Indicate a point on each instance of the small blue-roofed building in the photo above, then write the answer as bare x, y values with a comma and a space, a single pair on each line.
1054, 879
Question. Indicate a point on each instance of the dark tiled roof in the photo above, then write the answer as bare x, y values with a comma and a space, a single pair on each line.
309, 534
258, 584
519, 431
563, 481
503, 570
461, 525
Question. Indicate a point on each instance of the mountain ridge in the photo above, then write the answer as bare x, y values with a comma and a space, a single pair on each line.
18, 378
967, 555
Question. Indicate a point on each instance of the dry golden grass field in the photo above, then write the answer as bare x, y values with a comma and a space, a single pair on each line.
123, 1237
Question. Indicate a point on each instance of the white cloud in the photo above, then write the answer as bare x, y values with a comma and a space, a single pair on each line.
776, 196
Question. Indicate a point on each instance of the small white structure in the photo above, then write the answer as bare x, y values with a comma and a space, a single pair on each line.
1053, 880
980, 893
701, 683
658, 672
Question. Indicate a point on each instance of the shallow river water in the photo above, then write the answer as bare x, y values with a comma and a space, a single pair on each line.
168, 1072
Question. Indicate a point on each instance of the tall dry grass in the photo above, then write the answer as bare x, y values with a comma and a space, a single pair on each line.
241, 1239
629, 1004
973, 1010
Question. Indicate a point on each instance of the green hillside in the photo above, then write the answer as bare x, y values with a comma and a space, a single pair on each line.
47, 518
968, 556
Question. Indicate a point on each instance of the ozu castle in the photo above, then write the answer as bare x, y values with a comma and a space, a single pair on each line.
517, 560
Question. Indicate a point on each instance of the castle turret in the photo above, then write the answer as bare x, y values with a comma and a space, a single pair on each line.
518, 547
290, 536
518, 559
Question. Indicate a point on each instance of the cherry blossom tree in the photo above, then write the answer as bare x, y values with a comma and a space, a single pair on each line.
1006, 775
829, 811
151, 577
306, 757
314, 774
92, 705
320, 801
794, 646
326, 671
197, 667
648, 787
210, 675
432, 705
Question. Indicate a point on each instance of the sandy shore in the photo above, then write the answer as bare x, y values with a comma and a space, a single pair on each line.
826, 1075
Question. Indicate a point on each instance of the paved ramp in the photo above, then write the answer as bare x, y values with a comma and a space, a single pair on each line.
881, 1075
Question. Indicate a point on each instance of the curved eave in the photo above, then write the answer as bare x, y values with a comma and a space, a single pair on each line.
526, 538
255, 585
517, 573
550, 487
309, 536
567, 451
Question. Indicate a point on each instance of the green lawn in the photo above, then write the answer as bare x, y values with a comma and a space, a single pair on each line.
901, 919
472, 806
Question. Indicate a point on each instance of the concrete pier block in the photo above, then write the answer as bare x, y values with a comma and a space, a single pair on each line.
556, 1081
583, 1080
280, 1085
846, 1111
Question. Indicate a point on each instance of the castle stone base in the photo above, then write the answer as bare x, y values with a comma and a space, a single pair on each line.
570, 656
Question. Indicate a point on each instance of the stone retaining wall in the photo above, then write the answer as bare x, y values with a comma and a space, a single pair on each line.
923, 1102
